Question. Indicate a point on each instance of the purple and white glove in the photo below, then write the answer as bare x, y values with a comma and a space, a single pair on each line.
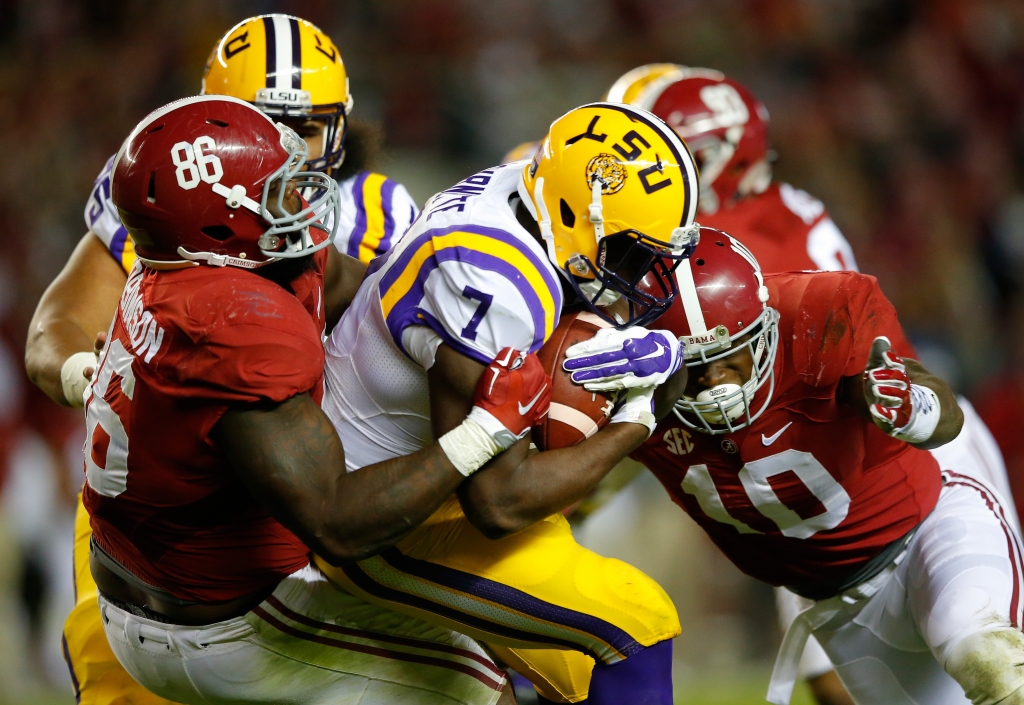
634, 358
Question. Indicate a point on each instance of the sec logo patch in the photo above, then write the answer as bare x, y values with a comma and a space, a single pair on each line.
729, 446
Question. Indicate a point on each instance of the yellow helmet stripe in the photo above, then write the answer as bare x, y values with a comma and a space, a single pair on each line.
284, 51
373, 205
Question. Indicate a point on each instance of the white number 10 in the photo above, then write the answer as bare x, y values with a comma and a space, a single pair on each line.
754, 476
196, 166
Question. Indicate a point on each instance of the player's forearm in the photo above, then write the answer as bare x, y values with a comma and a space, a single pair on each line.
51, 342
951, 418
379, 504
290, 457
500, 501
77, 306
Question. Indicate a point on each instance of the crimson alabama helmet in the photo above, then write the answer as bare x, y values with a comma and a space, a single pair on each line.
192, 182
721, 310
724, 125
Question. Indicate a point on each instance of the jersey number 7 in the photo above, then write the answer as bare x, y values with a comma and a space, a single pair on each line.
469, 332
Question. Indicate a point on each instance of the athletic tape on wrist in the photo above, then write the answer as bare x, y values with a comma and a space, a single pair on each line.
638, 408
73, 379
468, 446
925, 415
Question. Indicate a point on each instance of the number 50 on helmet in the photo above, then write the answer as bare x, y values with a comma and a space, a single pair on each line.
614, 192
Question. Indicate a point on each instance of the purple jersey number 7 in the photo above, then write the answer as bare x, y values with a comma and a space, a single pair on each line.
469, 332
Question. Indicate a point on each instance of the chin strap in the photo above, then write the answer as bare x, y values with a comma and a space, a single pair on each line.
543, 218
216, 260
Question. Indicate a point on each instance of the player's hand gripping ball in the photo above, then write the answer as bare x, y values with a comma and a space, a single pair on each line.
887, 387
576, 414
624, 359
511, 397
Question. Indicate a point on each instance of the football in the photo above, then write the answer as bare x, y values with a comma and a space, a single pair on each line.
575, 414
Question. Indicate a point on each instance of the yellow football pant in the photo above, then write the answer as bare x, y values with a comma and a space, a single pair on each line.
96, 674
541, 602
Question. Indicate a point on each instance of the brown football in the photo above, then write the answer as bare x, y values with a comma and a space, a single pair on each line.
575, 414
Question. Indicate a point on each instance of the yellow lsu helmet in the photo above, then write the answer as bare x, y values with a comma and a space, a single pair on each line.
614, 192
629, 86
286, 67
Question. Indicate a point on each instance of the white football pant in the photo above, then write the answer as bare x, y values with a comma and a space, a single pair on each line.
974, 452
309, 642
951, 611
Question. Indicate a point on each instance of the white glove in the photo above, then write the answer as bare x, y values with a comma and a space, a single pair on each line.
73, 377
624, 359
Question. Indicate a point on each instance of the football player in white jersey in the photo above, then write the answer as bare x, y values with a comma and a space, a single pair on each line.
608, 200
294, 72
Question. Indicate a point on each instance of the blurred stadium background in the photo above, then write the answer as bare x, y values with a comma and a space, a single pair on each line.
906, 118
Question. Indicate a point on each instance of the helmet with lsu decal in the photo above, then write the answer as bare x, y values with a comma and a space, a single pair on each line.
614, 192
287, 68
724, 125
628, 87
722, 312
204, 180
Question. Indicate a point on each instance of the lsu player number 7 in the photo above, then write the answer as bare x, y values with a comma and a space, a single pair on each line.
491, 262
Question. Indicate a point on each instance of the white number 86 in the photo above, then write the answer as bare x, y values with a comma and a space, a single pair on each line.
196, 165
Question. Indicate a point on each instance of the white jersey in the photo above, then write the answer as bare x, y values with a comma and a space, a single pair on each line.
102, 219
375, 211
466, 274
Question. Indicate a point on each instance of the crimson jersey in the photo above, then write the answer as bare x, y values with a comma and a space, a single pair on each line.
787, 230
810, 491
186, 345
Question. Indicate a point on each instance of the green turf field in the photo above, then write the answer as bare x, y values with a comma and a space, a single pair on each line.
732, 688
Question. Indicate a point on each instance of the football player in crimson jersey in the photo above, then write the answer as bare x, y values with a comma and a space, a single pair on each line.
81, 301
211, 470
799, 448
787, 230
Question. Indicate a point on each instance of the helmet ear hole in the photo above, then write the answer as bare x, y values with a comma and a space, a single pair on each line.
151, 188
217, 232
568, 217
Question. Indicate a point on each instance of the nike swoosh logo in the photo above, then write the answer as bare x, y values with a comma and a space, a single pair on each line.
524, 409
508, 357
657, 353
494, 378
768, 440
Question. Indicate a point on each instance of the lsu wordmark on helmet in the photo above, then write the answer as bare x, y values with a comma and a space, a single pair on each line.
286, 67
614, 192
